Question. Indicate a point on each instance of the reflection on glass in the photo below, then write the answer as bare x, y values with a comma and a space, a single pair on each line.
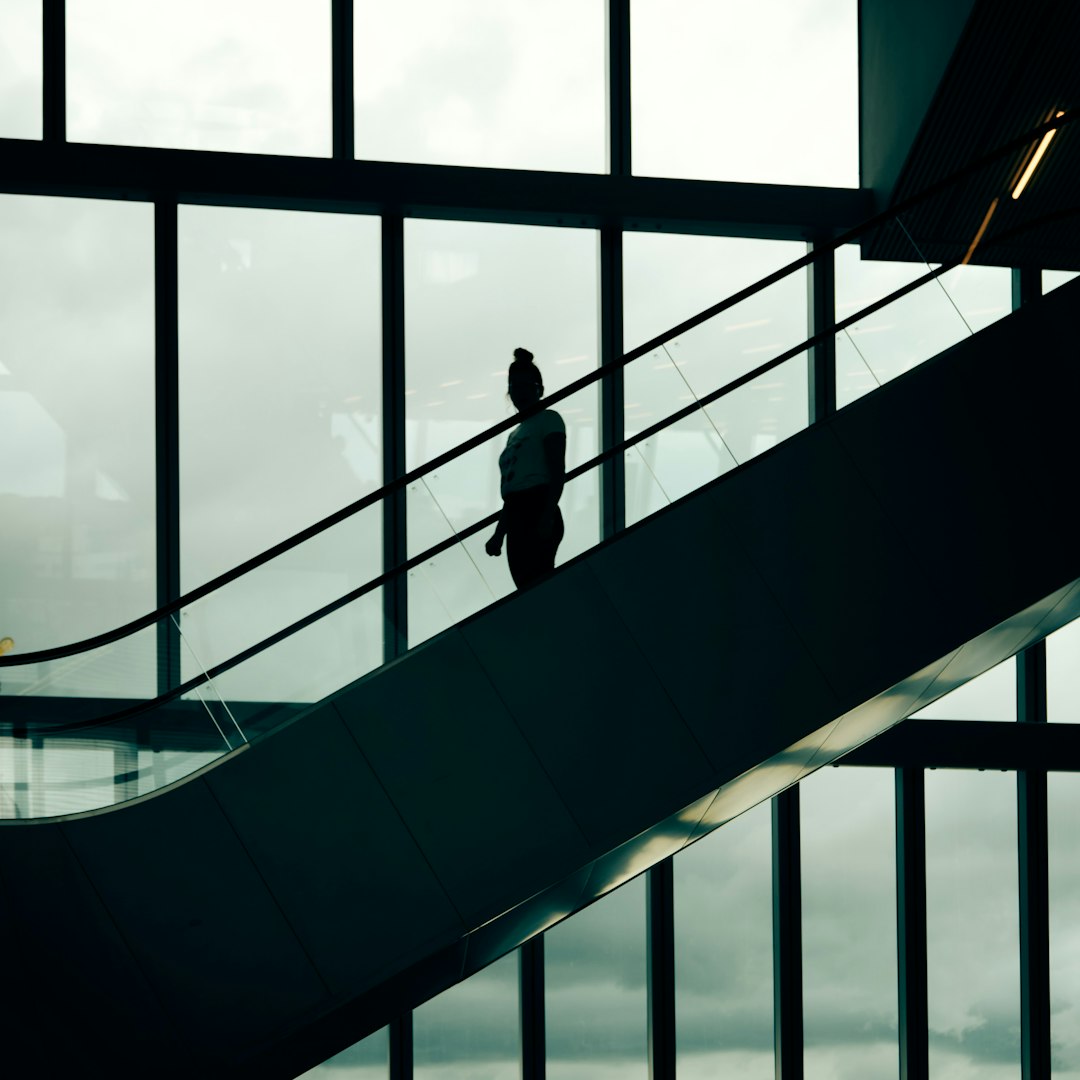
972, 945
1053, 279
475, 292
1063, 873
470, 1032
20, 69
904, 333
596, 1000
510, 85
849, 924
667, 280
280, 425
723, 952
990, 696
746, 92
77, 506
368, 1059
1063, 674
200, 75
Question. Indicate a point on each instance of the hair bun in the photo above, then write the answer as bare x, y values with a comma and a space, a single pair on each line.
523, 356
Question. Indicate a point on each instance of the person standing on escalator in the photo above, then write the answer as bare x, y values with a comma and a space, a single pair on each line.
533, 468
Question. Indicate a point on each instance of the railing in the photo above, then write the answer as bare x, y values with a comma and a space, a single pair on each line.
696, 382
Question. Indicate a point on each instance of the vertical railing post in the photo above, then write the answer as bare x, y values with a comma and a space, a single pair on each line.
661, 970
1032, 854
821, 316
911, 923
395, 605
787, 936
167, 435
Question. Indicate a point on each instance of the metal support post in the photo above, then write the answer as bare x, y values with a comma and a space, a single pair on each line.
821, 308
341, 15
787, 936
661, 971
911, 923
54, 71
395, 605
618, 73
613, 471
533, 1020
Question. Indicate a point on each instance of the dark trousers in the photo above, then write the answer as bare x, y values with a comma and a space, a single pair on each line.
530, 555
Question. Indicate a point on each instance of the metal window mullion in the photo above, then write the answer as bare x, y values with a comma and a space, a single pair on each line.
912, 1010
167, 433
401, 1047
661, 970
1026, 286
618, 86
821, 316
342, 99
1032, 854
787, 936
54, 71
613, 470
532, 1014
395, 605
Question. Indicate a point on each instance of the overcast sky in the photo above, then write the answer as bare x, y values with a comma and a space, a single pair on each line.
280, 415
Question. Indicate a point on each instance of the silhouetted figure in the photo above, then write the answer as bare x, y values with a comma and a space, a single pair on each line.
533, 468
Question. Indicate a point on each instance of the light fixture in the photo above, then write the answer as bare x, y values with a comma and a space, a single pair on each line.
1033, 164
979, 235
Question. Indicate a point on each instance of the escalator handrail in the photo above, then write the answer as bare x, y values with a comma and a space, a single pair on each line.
825, 247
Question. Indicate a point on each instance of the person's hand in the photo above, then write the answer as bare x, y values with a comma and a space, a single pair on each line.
494, 546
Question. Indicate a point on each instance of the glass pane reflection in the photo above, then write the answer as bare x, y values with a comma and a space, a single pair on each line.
77, 502
368, 1059
471, 1031
596, 999
20, 69
972, 939
1063, 874
200, 75
849, 924
509, 85
723, 951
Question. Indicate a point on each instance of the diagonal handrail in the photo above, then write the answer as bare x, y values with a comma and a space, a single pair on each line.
598, 373
468, 531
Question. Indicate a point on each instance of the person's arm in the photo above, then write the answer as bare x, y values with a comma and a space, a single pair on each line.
555, 459
494, 545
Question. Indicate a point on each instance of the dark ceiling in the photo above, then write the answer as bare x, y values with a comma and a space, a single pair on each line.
1015, 66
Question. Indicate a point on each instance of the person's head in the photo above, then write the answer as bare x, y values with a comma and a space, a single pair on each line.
524, 382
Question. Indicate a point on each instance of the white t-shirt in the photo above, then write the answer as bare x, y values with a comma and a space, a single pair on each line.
522, 463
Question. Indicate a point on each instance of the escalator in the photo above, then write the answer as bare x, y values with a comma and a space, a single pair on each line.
349, 859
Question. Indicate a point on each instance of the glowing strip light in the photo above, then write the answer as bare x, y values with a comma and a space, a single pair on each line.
979, 235
1033, 164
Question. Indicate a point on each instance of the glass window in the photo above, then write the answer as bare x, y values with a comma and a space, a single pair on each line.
990, 696
280, 425
973, 967
474, 293
723, 951
915, 327
669, 279
368, 1059
595, 990
20, 69
849, 924
512, 84
1063, 674
77, 505
1063, 873
247, 75
472, 1029
764, 93
1052, 279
